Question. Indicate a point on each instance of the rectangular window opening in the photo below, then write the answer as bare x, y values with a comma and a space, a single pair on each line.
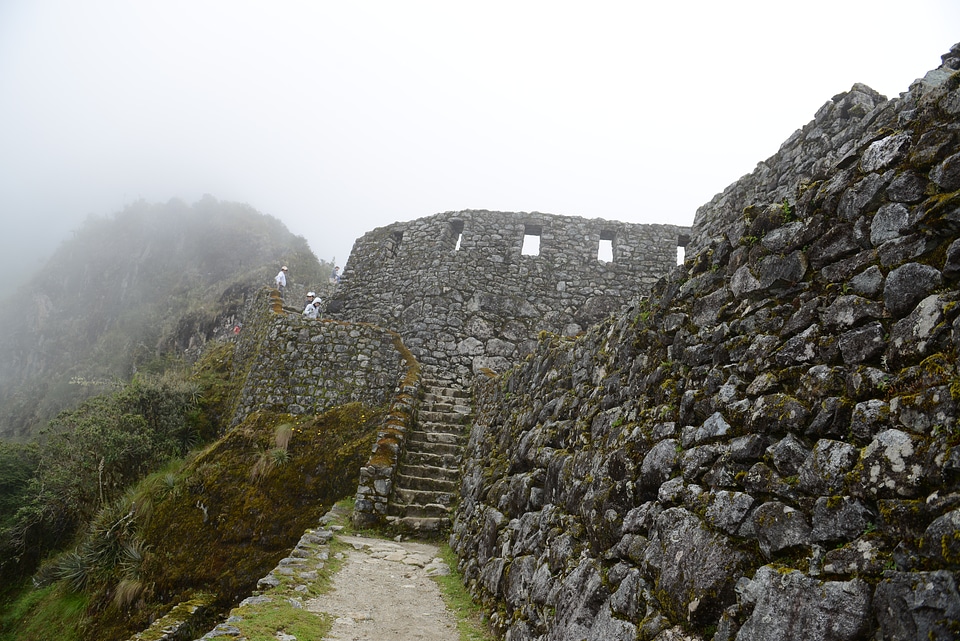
456, 233
393, 243
605, 249
531, 240
682, 241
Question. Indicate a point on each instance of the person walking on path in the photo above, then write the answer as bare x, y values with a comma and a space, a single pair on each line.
281, 280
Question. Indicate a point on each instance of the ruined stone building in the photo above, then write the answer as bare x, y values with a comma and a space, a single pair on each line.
471, 290
760, 443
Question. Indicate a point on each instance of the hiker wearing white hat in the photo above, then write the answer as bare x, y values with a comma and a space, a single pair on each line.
281, 280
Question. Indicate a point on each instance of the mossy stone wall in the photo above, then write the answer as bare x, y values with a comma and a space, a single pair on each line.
296, 365
768, 447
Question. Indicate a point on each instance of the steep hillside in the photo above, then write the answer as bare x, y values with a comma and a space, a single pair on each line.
132, 292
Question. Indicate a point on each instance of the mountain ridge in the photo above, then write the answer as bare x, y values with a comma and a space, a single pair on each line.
132, 292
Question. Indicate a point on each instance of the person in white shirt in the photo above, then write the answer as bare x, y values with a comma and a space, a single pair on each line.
312, 310
281, 280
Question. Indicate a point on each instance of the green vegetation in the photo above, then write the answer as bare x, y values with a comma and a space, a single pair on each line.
130, 514
85, 461
261, 622
131, 293
471, 620
46, 613
787, 212
127, 502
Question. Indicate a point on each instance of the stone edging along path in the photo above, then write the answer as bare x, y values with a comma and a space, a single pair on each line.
383, 591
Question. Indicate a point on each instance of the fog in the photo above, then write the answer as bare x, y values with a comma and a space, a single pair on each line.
339, 117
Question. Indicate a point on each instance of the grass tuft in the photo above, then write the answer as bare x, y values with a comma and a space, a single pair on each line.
471, 620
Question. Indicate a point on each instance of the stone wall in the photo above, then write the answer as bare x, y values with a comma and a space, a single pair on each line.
769, 446
818, 158
462, 294
378, 476
302, 366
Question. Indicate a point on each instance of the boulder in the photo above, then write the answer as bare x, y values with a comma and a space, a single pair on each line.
779, 527
918, 605
839, 518
862, 344
891, 466
695, 568
791, 605
907, 285
941, 541
825, 469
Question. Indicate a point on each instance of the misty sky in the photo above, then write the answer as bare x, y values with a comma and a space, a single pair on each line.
339, 117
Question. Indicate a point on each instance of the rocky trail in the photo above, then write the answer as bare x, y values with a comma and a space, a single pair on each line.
384, 592
378, 589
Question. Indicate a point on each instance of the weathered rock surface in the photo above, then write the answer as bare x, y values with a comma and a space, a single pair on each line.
467, 297
769, 446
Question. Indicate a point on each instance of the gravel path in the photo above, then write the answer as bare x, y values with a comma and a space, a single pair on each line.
384, 592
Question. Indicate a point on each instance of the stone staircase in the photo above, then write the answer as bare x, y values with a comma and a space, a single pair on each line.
428, 476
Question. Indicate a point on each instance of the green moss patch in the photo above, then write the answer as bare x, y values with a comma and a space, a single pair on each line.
44, 614
227, 518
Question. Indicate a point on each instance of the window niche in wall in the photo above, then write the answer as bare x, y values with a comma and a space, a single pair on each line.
682, 241
392, 244
605, 249
454, 236
531, 240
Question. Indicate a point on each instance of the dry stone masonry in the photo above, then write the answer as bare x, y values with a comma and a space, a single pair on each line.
304, 366
466, 296
769, 446
760, 443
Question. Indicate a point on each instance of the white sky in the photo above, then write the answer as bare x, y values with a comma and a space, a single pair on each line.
339, 117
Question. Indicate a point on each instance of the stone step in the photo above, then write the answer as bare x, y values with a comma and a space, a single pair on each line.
442, 472
419, 525
420, 457
446, 397
430, 510
403, 496
432, 426
411, 481
429, 416
446, 403
428, 477
451, 410
434, 437
444, 387
433, 447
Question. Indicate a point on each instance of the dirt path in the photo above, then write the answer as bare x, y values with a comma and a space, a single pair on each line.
384, 592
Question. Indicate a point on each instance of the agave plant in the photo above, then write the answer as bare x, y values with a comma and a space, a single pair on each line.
279, 456
76, 569
131, 556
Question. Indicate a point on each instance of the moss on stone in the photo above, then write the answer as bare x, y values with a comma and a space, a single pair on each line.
219, 532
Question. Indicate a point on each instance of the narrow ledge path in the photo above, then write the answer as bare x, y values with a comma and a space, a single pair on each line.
384, 592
